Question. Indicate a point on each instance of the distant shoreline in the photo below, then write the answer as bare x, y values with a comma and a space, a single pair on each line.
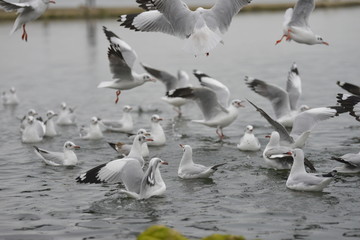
84, 12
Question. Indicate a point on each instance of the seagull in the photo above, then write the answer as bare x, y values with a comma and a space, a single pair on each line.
190, 170
213, 100
157, 132
171, 82
351, 88
27, 10
50, 124
121, 61
303, 123
296, 24
66, 116
351, 103
124, 124
10, 98
276, 156
65, 158
248, 142
284, 103
24, 119
33, 131
300, 180
351, 163
93, 131
125, 149
201, 28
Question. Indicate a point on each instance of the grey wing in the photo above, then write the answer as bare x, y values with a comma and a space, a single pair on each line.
51, 158
166, 78
293, 87
113, 171
222, 91
308, 119
151, 21
9, 7
277, 96
132, 175
178, 14
221, 14
127, 52
284, 134
118, 66
302, 11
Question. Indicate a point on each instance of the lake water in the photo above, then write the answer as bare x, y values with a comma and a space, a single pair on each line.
65, 60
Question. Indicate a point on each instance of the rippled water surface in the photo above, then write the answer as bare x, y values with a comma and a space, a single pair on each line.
65, 60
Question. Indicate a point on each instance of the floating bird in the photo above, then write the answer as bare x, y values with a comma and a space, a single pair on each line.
50, 130
284, 103
351, 103
296, 24
300, 180
171, 82
124, 124
248, 142
24, 119
125, 149
157, 132
66, 116
351, 88
93, 131
190, 170
27, 10
213, 101
10, 98
276, 156
303, 123
201, 28
351, 163
33, 131
121, 60
65, 158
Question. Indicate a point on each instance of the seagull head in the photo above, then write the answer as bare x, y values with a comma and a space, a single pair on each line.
156, 118
127, 108
249, 129
237, 103
320, 40
70, 145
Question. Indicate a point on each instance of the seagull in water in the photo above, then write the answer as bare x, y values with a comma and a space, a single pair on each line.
190, 170
300, 180
351, 163
201, 28
93, 131
213, 100
171, 83
66, 116
27, 10
248, 142
296, 24
65, 158
33, 132
284, 103
10, 98
124, 124
50, 124
121, 61
157, 132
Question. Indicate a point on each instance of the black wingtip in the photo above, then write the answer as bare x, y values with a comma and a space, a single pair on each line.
215, 167
330, 174
109, 34
128, 20
113, 145
199, 75
181, 92
91, 176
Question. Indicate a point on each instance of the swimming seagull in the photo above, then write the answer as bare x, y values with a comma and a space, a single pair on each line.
65, 158
213, 101
50, 124
303, 123
296, 24
351, 163
27, 10
33, 131
190, 170
10, 98
351, 88
276, 156
300, 180
66, 116
171, 82
249, 142
121, 61
157, 132
201, 28
283, 102
93, 131
125, 149
351, 104
124, 124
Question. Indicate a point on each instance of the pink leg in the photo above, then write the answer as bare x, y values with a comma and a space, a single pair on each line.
24, 35
117, 96
288, 37
278, 41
